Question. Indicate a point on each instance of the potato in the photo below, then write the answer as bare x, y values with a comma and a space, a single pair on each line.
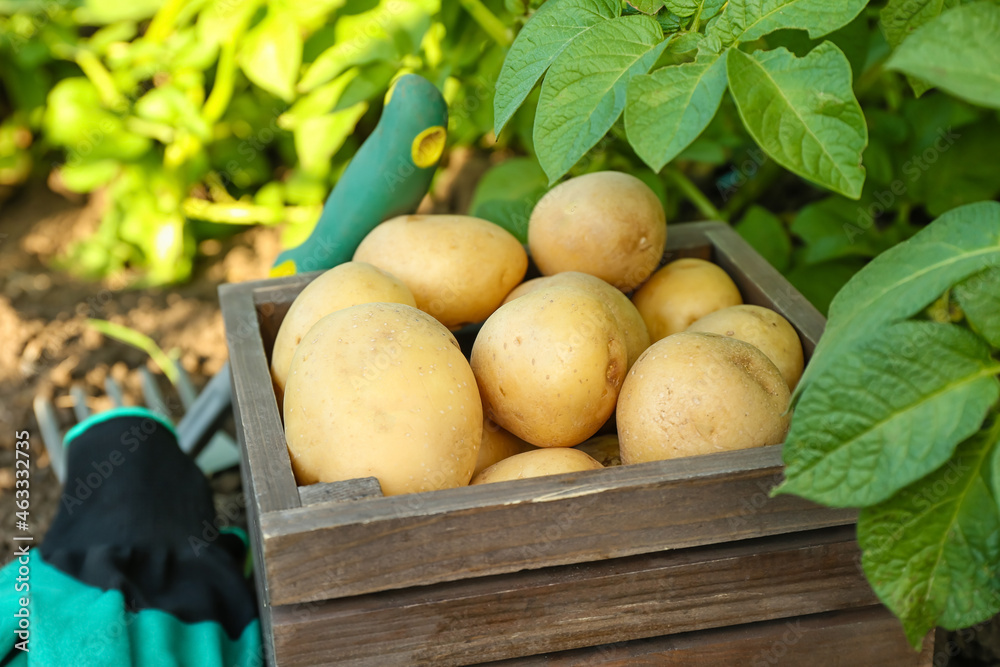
459, 268
608, 224
633, 327
342, 286
603, 448
681, 292
550, 365
537, 463
498, 444
763, 328
382, 390
698, 393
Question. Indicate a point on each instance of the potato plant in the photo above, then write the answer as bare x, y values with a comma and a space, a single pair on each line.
898, 412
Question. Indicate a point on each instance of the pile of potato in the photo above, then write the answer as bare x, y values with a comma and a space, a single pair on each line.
372, 381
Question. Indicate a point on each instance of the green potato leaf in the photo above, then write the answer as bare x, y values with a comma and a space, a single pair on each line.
553, 27
584, 92
747, 20
803, 113
822, 228
820, 283
889, 413
647, 6
667, 109
932, 551
507, 193
271, 54
905, 279
979, 297
318, 138
958, 52
899, 18
762, 230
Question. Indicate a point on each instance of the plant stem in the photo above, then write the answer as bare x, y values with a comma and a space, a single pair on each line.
240, 213
697, 17
98, 75
752, 190
222, 89
693, 194
488, 21
163, 22
141, 341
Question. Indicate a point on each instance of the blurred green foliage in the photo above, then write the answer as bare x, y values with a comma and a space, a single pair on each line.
194, 112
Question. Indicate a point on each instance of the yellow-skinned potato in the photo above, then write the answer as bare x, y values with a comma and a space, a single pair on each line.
608, 224
602, 448
459, 268
382, 390
699, 393
681, 292
498, 444
550, 365
628, 317
342, 286
537, 463
763, 328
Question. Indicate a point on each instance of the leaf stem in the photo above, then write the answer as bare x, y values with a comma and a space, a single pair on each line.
222, 88
241, 213
141, 341
693, 26
98, 75
488, 21
693, 194
163, 21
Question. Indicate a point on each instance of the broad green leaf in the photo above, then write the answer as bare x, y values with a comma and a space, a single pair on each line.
553, 27
317, 139
888, 414
271, 54
318, 102
222, 18
762, 230
959, 167
803, 113
747, 20
979, 297
584, 92
507, 193
683, 8
906, 279
829, 230
958, 52
932, 551
899, 18
668, 109
647, 6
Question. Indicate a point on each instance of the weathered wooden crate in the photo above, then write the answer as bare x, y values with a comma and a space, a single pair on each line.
658, 563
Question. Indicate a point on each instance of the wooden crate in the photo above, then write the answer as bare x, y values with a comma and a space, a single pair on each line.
678, 549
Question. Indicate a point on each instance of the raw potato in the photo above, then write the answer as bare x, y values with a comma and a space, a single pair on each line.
681, 292
604, 449
698, 393
498, 444
537, 463
608, 224
763, 328
550, 365
342, 286
382, 390
459, 268
633, 327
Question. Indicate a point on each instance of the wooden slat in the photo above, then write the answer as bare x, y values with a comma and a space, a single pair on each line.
865, 636
575, 606
314, 553
335, 492
271, 485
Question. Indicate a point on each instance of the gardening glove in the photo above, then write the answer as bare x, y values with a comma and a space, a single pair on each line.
133, 570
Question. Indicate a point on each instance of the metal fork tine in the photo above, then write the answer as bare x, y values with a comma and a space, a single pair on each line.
185, 387
80, 408
51, 437
154, 399
114, 390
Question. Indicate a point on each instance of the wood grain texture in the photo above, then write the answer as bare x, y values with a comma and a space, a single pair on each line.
568, 607
864, 636
258, 425
314, 553
336, 492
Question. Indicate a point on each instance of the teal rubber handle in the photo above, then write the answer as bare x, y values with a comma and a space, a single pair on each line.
388, 176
